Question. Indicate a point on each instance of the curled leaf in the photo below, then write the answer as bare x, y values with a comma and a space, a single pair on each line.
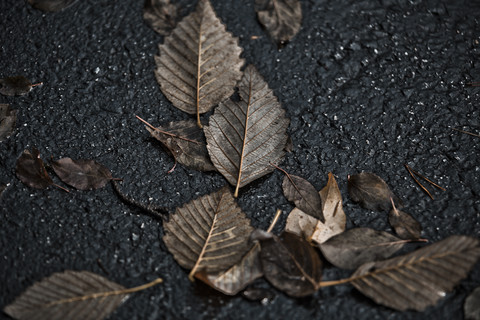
281, 18
244, 137
15, 86
82, 174
472, 305
8, 117
354, 247
31, 170
199, 63
371, 192
208, 234
160, 15
74, 295
404, 224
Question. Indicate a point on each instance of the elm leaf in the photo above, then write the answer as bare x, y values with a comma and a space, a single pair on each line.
82, 174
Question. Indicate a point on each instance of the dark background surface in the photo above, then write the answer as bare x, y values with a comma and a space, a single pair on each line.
368, 85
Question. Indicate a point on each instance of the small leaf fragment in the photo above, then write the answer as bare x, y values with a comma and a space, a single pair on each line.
51, 5
259, 294
304, 195
31, 170
354, 247
291, 264
160, 15
471, 307
371, 192
8, 117
405, 226
15, 86
281, 18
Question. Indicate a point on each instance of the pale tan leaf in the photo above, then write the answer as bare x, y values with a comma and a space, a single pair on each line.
199, 63
244, 137
209, 233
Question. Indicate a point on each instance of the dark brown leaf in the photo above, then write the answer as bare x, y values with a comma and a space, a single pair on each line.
15, 86
245, 137
404, 224
8, 117
419, 279
304, 195
291, 264
82, 174
354, 247
186, 141
472, 305
371, 192
199, 63
208, 234
71, 295
160, 15
281, 18
51, 5
31, 170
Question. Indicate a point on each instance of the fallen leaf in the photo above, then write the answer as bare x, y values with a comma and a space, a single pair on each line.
31, 170
419, 279
209, 233
281, 18
472, 305
186, 141
199, 63
371, 192
354, 247
244, 138
301, 224
15, 86
290, 264
82, 174
8, 117
71, 295
404, 224
160, 15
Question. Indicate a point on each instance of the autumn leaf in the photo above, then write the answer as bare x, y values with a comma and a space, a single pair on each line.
31, 170
281, 18
82, 174
371, 192
244, 138
404, 224
8, 117
209, 233
199, 63
16, 86
71, 295
160, 15
472, 305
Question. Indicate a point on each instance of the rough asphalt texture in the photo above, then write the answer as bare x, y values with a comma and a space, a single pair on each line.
368, 85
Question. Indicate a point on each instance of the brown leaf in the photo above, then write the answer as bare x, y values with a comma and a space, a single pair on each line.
245, 137
371, 192
186, 141
354, 247
281, 18
71, 295
15, 86
209, 233
472, 305
404, 224
31, 170
82, 174
51, 5
160, 15
419, 279
303, 194
290, 264
301, 224
199, 63
8, 117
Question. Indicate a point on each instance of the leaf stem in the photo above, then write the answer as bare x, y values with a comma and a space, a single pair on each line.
323, 284
466, 132
60, 187
275, 219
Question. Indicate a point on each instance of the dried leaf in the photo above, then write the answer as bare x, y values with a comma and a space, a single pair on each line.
71, 295
301, 224
245, 137
303, 194
15, 86
209, 233
82, 174
186, 141
354, 247
8, 117
419, 279
31, 170
472, 305
199, 63
291, 264
371, 192
51, 5
404, 224
281, 18
160, 15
